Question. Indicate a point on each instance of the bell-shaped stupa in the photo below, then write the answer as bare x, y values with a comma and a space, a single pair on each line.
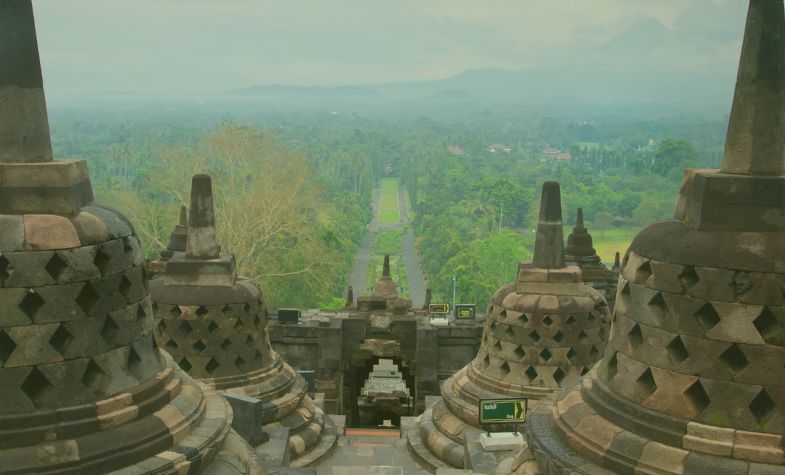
214, 324
85, 388
580, 251
541, 333
693, 378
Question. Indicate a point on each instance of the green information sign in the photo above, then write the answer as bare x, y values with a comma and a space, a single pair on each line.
439, 308
465, 311
506, 410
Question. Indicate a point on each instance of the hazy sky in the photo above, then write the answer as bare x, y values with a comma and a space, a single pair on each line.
205, 45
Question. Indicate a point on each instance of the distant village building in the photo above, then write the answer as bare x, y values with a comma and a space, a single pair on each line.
551, 153
499, 148
456, 150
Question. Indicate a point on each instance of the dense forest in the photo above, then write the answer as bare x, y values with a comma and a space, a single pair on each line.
294, 191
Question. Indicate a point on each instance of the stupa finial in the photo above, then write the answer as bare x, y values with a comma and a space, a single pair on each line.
755, 143
549, 243
202, 238
24, 126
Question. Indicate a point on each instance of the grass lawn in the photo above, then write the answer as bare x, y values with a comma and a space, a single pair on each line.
389, 216
612, 241
388, 203
388, 242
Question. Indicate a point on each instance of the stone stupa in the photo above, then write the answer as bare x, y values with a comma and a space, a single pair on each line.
541, 333
580, 251
214, 323
693, 379
85, 388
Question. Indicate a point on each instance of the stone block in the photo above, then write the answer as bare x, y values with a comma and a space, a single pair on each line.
12, 233
709, 439
501, 441
48, 231
248, 417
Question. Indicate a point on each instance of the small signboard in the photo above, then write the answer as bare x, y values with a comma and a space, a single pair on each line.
503, 411
439, 309
289, 315
465, 311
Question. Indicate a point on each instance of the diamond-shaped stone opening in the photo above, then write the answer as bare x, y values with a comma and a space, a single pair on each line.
258, 355
109, 330
185, 327
646, 383
582, 336
601, 333
486, 361
697, 397
185, 365
141, 313
769, 327
199, 346
741, 283
657, 302
4, 274
558, 337
509, 331
226, 344
171, 344
87, 299
125, 288
625, 289
677, 352
519, 352
643, 272
591, 318
498, 345
31, 304
201, 311
571, 355
707, 316
535, 336
635, 336
36, 387
55, 266
175, 311
134, 360
247, 308
524, 319
248, 340
61, 339
594, 353
584, 370
762, 407
238, 324
571, 320
504, 369
612, 367
212, 327
211, 366
546, 355
734, 359
547, 321
239, 363
531, 373
127, 247
559, 376
227, 310
93, 377
7, 346
688, 277
101, 261
256, 321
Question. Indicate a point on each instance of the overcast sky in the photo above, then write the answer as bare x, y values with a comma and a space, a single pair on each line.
209, 45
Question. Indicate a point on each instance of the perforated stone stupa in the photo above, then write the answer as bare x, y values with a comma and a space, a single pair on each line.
693, 379
85, 389
580, 251
214, 323
541, 333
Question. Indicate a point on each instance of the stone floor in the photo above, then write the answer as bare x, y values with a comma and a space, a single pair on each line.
370, 452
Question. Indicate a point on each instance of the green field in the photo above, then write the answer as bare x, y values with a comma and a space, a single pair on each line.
614, 240
388, 242
388, 203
